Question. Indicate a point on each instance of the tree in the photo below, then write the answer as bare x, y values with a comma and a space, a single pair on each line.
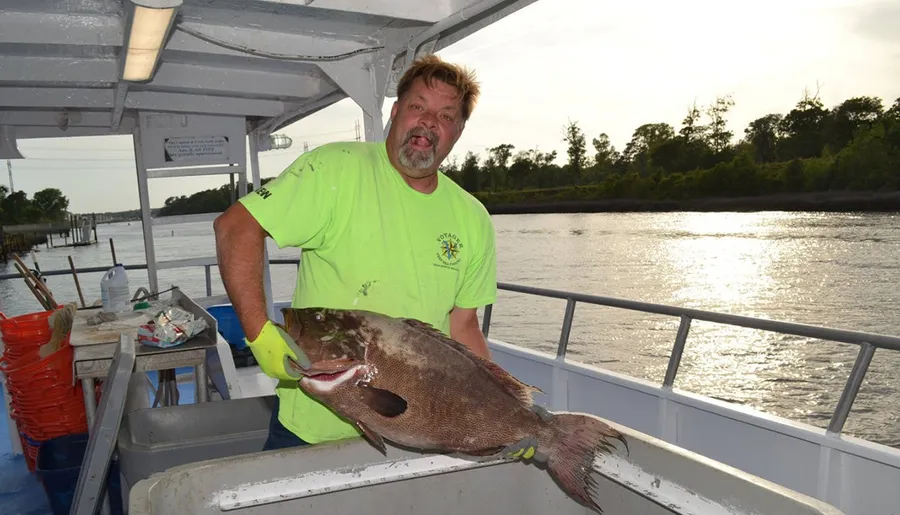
644, 140
765, 134
577, 151
851, 116
605, 156
51, 204
719, 137
690, 128
469, 171
803, 128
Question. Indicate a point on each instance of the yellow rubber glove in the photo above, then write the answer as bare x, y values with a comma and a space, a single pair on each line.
272, 350
525, 448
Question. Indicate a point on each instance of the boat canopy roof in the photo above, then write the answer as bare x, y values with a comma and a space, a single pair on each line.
86, 67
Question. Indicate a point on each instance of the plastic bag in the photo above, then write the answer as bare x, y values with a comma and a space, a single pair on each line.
170, 327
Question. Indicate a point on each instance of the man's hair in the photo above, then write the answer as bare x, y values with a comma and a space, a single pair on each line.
431, 67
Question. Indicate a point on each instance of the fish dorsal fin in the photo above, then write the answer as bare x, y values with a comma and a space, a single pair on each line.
519, 390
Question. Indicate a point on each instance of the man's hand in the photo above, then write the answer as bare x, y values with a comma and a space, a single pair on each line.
274, 349
464, 329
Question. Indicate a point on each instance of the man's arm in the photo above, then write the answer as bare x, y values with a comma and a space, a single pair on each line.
240, 242
464, 329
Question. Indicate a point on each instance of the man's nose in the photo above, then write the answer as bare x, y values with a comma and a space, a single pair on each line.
428, 120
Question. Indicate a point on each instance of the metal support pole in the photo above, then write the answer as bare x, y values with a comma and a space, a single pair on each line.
200, 382
566, 329
677, 351
146, 220
486, 321
267, 277
90, 400
854, 381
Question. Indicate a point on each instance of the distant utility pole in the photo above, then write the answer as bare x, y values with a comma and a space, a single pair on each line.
356, 125
9, 167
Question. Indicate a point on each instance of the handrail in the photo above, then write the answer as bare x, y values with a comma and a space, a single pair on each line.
868, 342
811, 331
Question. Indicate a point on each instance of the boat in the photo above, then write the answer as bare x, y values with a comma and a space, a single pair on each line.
195, 83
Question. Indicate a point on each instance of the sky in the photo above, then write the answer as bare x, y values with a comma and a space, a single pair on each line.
611, 66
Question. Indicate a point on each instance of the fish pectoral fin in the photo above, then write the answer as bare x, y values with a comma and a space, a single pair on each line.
374, 438
384, 403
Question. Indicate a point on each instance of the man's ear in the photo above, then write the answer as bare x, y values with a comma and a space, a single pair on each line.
394, 110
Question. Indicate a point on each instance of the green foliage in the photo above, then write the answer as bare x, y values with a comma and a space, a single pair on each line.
854, 146
48, 205
206, 201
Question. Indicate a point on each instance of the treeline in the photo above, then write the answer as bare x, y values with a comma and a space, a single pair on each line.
853, 146
206, 201
47, 205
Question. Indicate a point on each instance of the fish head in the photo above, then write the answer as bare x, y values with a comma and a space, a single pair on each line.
330, 340
339, 375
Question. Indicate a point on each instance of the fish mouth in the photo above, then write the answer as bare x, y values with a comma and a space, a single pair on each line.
327, 381
323, 369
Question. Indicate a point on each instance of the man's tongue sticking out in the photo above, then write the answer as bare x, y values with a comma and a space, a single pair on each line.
421, 141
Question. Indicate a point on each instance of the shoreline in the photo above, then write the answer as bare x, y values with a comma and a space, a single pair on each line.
835, 202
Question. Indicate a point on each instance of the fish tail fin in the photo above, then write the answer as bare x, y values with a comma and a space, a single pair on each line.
577, 440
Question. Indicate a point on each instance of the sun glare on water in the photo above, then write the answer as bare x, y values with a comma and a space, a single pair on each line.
727, 262
726, 258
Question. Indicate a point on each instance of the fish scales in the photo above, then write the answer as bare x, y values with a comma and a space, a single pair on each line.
431, 377
402, 380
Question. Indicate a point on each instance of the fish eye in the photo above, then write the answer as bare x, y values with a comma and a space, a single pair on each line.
319, 317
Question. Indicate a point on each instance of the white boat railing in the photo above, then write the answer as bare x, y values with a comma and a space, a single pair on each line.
867, 342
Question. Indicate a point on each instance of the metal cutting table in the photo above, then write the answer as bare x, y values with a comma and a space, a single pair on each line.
95, 345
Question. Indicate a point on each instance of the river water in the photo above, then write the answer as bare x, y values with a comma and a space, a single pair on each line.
838, 270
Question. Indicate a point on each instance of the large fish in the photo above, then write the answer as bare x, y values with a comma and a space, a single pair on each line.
403, 380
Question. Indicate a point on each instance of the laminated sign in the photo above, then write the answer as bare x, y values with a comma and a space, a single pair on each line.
196, 149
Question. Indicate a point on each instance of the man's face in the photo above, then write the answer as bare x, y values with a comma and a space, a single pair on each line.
426, 124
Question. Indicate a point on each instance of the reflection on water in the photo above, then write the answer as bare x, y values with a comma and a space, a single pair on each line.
837, 270
725, 269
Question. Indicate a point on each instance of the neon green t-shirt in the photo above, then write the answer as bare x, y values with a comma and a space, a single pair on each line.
372, 242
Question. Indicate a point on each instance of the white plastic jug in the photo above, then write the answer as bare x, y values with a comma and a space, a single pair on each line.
114, 290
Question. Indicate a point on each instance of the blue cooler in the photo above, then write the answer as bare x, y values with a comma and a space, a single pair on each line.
229, 325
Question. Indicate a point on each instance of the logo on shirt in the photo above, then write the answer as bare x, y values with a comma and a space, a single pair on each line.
449, 249
264, 193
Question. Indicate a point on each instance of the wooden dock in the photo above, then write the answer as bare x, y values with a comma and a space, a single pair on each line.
75, 230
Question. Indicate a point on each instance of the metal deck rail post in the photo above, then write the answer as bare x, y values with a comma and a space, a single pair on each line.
677, 351
854, 381
486, 322
566, 329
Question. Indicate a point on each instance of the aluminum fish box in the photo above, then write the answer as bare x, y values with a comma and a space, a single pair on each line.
351, 476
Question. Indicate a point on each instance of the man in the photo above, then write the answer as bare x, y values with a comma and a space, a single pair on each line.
380, 229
